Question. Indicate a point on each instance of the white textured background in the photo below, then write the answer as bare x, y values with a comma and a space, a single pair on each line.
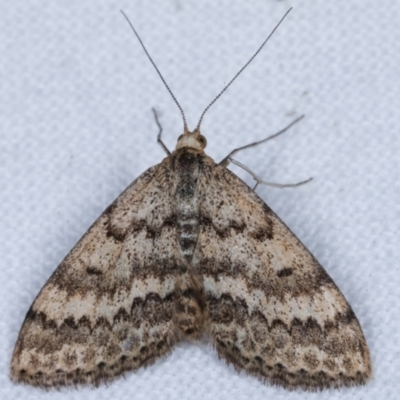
76, 92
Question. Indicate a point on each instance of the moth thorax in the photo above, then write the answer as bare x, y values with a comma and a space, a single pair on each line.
194, 139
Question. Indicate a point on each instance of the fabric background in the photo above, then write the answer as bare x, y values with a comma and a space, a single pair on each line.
76, 128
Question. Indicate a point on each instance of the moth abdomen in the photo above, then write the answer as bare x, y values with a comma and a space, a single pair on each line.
188, 165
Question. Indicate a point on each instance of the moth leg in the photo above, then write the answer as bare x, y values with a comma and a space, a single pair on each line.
259, 180
228, 157
159, 141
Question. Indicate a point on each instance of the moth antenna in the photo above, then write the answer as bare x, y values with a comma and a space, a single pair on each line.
241, 70
158, 71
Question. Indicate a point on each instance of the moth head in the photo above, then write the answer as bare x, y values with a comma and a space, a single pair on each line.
194, 140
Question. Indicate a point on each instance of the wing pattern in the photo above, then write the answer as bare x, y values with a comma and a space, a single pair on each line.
112, 304
272, 309
190, 250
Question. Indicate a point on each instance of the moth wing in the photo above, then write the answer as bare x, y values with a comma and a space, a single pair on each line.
272, 309
109, 306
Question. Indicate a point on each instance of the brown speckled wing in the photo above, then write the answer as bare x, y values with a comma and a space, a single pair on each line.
110, 306
272, 310
188, 249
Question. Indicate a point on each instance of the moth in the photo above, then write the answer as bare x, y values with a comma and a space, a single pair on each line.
189, 251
